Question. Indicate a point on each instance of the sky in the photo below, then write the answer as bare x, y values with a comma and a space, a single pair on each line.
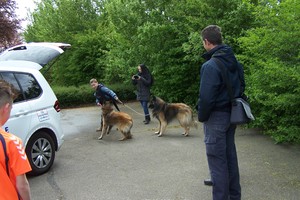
22, 9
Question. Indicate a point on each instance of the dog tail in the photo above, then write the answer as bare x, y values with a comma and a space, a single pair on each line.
194, 122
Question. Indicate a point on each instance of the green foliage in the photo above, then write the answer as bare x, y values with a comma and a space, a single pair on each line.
273, 73
60, 20
74, 22
84, 95
110, 38
74, 96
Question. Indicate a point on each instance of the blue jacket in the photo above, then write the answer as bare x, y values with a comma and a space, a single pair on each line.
213, 94
103, 94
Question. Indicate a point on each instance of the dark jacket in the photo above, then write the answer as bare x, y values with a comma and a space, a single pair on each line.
143, 86
213, 94
103, 94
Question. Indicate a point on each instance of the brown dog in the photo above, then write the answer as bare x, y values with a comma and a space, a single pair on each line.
166, 112
121, 120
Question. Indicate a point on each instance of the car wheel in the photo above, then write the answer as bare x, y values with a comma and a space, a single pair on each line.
40, 152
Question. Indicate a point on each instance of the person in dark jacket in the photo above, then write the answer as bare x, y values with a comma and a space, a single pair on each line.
214, 107
102, 94
143, 80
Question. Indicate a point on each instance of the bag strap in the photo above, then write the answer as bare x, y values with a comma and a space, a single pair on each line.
5, 153
225, 77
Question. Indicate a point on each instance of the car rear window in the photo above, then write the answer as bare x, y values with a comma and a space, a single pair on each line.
25, 83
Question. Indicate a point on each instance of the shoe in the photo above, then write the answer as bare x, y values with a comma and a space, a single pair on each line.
208, 182
147, 119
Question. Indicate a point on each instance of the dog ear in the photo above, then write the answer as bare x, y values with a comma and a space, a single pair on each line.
154, 98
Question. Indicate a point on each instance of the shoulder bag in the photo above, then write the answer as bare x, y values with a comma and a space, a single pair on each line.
240, 108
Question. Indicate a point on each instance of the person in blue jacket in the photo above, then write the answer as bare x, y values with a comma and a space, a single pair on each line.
214, 107
102, 94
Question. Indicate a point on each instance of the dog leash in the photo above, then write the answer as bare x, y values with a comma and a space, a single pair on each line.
133, 110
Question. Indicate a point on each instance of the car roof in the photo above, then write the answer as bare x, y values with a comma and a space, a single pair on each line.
38, 52
19, 63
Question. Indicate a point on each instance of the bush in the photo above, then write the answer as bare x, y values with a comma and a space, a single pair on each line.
275, 95
84, 95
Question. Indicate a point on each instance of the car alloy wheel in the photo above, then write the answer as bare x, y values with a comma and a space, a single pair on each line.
40, 152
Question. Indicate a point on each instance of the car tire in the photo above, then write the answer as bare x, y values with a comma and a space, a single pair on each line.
40, 152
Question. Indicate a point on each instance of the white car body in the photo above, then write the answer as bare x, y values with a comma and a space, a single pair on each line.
35, 120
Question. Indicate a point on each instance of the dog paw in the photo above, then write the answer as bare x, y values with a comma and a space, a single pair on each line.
124, 138
100, 138
156, 132
129, 136
159, 135
185, 134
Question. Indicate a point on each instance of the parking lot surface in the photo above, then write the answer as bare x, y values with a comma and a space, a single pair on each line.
148, 167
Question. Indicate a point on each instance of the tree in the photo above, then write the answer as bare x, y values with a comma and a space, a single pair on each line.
9, 24
153, 33
271, 54
110, 38
74, 22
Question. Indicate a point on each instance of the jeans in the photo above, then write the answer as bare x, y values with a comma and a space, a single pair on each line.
145, 107
222, 156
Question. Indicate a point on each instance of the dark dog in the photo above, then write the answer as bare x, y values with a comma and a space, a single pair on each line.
121, 120
166, 112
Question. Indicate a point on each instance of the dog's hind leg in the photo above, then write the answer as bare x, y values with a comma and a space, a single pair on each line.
186, 131
124, 136
129, 136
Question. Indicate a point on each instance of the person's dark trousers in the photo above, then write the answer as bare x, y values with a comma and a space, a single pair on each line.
222, 156
146, 111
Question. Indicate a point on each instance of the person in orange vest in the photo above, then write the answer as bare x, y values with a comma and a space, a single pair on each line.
13, 160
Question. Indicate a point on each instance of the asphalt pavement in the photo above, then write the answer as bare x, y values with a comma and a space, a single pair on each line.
147, 167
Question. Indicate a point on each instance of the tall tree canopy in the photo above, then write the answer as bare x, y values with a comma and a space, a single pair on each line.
9, 24
111, 37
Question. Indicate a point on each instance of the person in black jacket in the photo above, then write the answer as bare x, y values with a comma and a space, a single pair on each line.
143, 80
214, 107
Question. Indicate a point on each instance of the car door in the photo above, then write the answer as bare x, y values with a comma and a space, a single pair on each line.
20, 119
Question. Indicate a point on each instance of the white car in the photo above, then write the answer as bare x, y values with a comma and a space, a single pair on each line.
35, 115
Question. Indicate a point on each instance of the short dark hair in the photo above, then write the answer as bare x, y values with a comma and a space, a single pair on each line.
7, 93
213, 34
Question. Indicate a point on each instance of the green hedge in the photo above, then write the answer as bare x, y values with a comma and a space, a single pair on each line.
84, 95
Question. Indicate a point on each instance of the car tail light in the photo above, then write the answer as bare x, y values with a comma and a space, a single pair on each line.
56, 106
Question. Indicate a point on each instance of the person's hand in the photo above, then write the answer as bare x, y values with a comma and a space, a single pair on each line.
99, 104
119, 101
136, 77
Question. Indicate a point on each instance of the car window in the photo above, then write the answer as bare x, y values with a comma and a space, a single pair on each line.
29, 85
10, 78
26, 85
